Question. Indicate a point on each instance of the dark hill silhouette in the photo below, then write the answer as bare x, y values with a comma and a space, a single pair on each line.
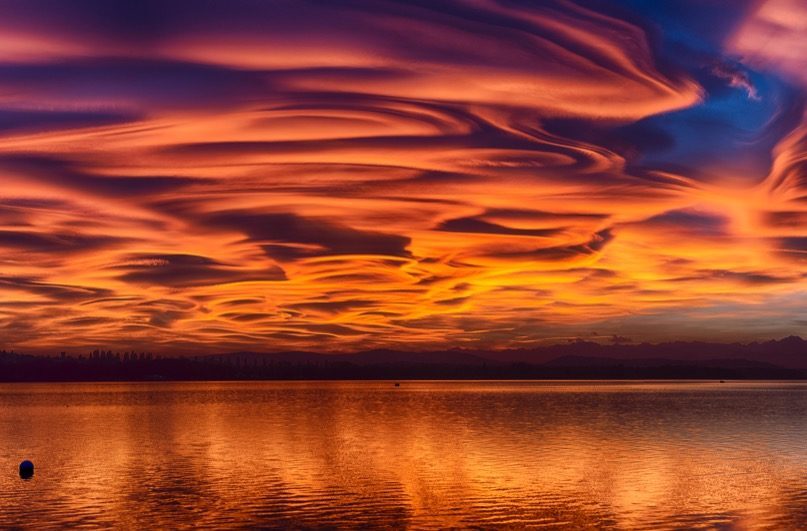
784, 358
790, 352
589, 362
368, 357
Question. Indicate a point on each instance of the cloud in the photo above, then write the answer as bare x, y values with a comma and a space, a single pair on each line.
749, 278
73, 175
772, 37
58, 243
594, 245
63, 293
288, 236
480, 226
796, 246
736, 78
688, 221
132, 84
183, 270
33, 120
332, 307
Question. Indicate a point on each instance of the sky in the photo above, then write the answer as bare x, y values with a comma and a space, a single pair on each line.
344, 175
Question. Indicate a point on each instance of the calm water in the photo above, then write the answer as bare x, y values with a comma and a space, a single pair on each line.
615, 455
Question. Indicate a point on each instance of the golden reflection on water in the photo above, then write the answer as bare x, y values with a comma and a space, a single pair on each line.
427, 454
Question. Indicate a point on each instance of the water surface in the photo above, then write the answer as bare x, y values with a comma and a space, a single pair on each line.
565, 455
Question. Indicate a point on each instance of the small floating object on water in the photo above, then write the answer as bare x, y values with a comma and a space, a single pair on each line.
26, 469
397, 384
722, 381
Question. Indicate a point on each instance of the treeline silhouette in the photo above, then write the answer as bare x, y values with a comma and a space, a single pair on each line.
104, 365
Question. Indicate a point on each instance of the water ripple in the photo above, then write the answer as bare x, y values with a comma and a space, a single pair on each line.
429, 455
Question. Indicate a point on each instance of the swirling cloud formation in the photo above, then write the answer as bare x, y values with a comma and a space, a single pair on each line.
188, 176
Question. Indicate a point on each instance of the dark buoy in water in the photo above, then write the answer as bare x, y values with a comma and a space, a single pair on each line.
26, 469
397, 384
722, 381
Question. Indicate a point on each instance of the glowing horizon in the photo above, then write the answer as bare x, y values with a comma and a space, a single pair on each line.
342, 176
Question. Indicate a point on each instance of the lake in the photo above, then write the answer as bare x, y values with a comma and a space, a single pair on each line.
554, 455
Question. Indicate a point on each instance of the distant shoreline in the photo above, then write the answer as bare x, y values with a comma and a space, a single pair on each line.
56, 370
784, 359
302, 380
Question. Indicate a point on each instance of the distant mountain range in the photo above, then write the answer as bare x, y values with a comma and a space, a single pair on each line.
779, 359
789, 353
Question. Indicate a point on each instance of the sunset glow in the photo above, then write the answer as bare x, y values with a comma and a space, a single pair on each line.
205, 176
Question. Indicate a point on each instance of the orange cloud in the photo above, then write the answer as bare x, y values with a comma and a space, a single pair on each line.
301, 176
